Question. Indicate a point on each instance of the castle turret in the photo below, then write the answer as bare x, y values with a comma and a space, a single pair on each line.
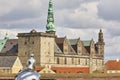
100, 44
50, 27
100, 39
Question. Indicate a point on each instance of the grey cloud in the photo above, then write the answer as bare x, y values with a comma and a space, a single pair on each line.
36, 24
112, 28
20, 14
114, 32
109, 9
80, 19
24, 9
70, 4
66, 4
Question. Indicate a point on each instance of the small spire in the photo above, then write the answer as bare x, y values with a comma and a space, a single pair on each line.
100, 30
50, 19
101, 39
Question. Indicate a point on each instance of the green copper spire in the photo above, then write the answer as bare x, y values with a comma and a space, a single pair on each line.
3, 41
50, 19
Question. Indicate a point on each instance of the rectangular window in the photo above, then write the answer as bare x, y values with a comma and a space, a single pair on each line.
65, 61
72, 60
86, 62
25, 43
58, 62
78, 61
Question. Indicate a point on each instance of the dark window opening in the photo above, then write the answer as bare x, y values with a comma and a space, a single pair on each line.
33, 42
25, 43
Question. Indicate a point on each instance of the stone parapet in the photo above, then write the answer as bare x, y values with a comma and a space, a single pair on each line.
35, 34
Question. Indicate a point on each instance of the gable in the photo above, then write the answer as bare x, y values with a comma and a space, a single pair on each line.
17, 63
17, 66
47, 70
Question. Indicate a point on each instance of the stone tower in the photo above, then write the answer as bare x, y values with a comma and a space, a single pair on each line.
97, 59
100, 44
40, 44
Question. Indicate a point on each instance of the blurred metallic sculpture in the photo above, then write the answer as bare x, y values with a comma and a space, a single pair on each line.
31, 62
28, 73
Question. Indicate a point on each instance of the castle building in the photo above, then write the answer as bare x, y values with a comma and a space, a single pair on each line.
62, 54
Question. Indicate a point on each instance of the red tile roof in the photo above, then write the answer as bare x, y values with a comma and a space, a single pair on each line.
67, 69
70, 69
112, 65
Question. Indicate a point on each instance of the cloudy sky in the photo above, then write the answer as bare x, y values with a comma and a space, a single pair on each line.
73, 18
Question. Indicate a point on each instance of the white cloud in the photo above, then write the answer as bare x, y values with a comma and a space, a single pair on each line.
75, 18
84, 16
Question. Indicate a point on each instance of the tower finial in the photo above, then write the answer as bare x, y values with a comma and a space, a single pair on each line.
101, 39
100, 30
50, 19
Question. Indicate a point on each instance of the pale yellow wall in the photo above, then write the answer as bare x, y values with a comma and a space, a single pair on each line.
5, 70
17, 66
47, 50
65, 46
79, 48
113, 71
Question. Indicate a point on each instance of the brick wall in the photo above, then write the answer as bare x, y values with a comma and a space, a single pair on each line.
70, 70
88, 78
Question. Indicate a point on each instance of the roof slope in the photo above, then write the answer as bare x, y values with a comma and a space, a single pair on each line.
86, 43
7, 61
57, 49
112, 65
11, 46
3, 41
73, 41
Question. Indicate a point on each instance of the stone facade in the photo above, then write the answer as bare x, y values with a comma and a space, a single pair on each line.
40, 44
60, 52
